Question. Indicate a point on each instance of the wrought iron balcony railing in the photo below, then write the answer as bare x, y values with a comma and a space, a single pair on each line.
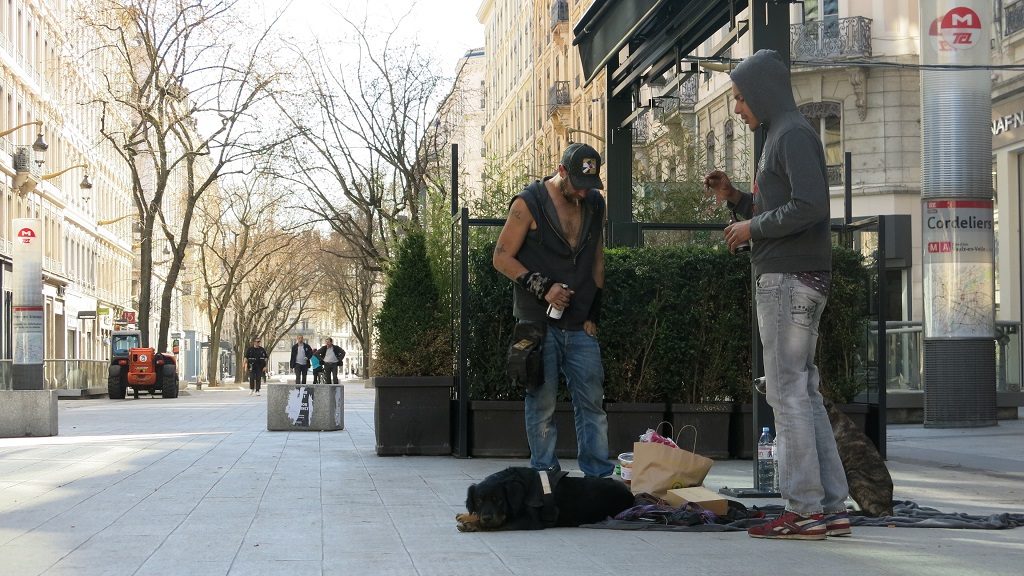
831, 38
559, 12
558, 95
682, 99
1013, 18
835, 174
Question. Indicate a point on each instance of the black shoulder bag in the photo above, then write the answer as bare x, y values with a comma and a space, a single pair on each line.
526, 354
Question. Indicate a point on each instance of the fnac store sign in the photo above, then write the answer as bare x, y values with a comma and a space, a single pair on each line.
958, 29
26, 235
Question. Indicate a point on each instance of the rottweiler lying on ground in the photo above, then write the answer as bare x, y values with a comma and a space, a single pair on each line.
527, 499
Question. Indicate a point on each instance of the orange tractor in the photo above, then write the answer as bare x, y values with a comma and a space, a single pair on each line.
138, 368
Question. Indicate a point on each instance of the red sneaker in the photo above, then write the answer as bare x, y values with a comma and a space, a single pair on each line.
838, 524
792, 526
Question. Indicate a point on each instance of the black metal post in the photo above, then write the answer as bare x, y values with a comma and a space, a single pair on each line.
847, 200
881, 371
622, 231
769, 28
455, 179
463, 439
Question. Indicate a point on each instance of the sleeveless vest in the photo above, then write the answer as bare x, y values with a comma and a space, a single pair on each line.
546, 251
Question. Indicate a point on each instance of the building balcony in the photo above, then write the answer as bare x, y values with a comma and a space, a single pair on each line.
835, 174
831, 38
559, 13
681, 101
558, 100
1013, 18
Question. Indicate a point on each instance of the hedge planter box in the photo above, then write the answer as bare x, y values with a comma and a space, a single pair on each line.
412, 415
498, 429
627, 421
712, 422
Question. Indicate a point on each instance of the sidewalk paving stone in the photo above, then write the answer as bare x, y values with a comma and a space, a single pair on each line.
197, 485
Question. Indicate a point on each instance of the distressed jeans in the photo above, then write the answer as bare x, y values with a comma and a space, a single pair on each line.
577, 355
811, 476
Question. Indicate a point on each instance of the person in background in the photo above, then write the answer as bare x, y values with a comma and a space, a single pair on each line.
301, 353
256, 365
331, 356
787, 223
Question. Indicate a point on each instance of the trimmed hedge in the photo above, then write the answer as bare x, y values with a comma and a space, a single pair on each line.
675, 326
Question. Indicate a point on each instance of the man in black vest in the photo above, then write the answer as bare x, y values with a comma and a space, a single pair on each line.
256, 364
552, 248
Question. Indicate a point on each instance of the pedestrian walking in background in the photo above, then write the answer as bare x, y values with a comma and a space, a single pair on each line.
299, 362
256, 365
331, 356
552, 248
786, 220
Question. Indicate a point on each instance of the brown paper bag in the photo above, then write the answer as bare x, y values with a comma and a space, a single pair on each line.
658, 468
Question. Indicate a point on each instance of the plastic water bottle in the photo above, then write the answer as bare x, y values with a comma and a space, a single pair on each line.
767, 466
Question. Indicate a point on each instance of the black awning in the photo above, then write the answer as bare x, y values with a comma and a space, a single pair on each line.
658, 32
606, 27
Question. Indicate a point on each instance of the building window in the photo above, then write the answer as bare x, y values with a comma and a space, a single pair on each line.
826, 118
727, 147
709, 149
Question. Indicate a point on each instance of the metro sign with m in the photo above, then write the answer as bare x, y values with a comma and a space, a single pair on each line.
961, 28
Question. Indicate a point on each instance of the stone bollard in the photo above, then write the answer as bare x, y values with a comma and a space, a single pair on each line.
28, 413
310, 407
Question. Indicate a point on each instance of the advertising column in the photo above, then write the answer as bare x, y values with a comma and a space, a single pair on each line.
957, 229
28, 312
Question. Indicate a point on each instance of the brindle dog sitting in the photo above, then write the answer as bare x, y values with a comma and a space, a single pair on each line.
866, 473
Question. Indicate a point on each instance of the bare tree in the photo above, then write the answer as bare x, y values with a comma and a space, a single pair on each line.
272, 301
355, 285
179, 94
238, 237
360, 127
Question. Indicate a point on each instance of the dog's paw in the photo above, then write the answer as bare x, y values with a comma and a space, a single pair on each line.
468, 522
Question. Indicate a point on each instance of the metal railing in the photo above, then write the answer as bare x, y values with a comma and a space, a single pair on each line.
905, 356
64, 374
559, 12
835, 174
682, 99
831, 38
558, 95
1013, 18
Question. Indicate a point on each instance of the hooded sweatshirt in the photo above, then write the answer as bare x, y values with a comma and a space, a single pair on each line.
789, 203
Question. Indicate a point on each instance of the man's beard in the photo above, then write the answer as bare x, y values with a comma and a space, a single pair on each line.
564, 189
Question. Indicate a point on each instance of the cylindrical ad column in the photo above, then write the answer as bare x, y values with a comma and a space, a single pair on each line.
958, 236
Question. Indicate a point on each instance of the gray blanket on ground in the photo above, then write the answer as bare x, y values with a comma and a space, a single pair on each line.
906, 514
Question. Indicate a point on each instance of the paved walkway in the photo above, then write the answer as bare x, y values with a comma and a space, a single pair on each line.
198, 486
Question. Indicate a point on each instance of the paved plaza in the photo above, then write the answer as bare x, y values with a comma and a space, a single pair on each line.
198, 486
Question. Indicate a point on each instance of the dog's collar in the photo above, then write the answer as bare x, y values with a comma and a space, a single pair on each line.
545, 482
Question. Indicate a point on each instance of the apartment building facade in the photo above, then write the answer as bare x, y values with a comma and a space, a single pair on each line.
76, 185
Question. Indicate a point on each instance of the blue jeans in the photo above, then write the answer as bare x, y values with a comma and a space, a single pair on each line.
811, 476
577, 355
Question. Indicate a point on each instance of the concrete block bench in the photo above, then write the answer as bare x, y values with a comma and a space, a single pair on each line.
309, 407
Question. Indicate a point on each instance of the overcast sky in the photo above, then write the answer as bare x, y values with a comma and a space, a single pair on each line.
449, 27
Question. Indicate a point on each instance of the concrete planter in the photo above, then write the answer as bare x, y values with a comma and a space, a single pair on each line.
628, 420
712, 423
412, 415
305, 407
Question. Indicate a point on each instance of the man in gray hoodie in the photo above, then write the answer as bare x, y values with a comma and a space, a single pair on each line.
786, 219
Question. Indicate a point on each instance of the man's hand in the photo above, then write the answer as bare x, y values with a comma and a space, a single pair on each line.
559, 296
718, 182
590, 328
737, 233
